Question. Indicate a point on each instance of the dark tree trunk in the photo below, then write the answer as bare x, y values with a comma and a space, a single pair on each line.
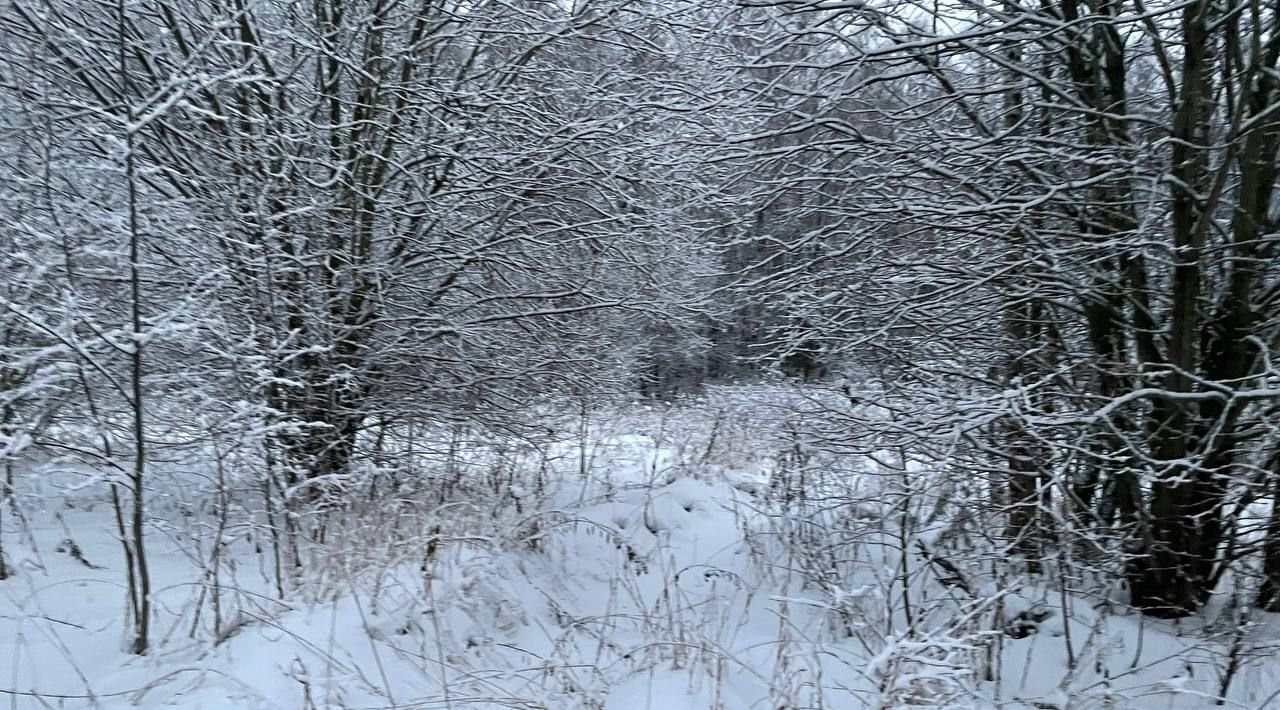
5, 492
1269, 595
1028, 489
1169, 579
1028, 499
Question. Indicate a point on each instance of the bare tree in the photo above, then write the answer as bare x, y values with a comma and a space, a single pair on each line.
1114, 194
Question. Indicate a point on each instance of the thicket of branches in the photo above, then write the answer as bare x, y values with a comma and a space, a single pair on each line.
1041, 237
1055, 224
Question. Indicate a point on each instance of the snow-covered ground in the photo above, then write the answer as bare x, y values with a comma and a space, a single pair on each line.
666, 579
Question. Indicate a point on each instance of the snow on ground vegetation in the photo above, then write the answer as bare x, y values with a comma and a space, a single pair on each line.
702, 555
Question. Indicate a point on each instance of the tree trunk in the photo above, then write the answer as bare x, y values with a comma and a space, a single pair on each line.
1269, 595
4, 500
1028, 488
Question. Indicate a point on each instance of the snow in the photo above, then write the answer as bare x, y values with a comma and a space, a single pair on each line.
662, 582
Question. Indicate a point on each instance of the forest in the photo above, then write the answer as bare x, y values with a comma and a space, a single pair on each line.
639, 354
